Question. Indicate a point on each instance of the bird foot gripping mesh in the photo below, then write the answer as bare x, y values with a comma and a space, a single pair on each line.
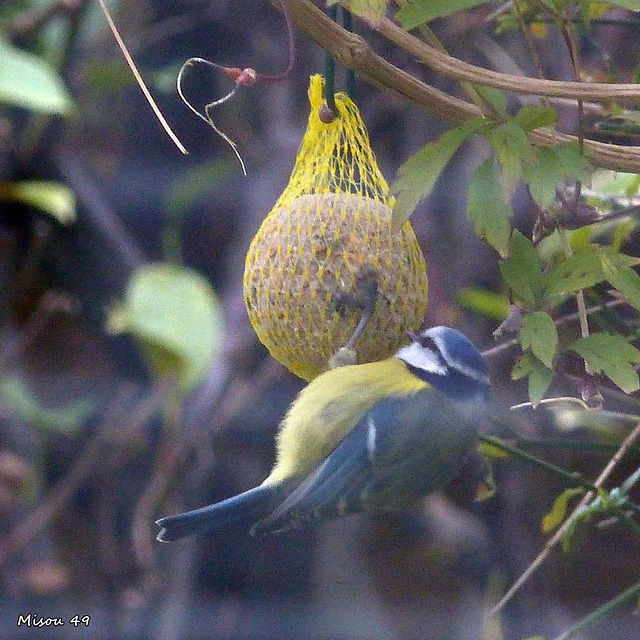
331, 225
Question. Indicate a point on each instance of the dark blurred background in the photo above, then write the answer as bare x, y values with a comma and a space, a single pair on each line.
79, 491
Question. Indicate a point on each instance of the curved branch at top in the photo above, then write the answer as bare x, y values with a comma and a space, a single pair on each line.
353, 52
455, 69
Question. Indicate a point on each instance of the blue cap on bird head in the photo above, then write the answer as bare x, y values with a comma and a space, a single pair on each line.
448, 360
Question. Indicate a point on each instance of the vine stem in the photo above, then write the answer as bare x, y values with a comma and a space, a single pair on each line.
557, 536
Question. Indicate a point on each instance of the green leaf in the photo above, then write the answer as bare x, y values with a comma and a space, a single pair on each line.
573, 163
612, 355
488, 303
585, 268
513, 150
540, 376
549, 169
554, 518
54, 198
522, 270
578, 271
544, 176
417, 12
539, 333
418, 175
632, 5
486, 489
624, 279
496, 98
21, 399
370, 9
533, 116
489, 450
30, 82
487, 208
176, 316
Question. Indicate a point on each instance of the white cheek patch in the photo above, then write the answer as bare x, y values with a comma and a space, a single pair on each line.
422, 358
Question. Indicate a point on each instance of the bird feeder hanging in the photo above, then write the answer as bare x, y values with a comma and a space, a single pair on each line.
329, 231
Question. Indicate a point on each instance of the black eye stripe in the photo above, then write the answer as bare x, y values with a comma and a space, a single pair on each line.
427, 343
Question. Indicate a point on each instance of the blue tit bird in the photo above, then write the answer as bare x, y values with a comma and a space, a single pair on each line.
370, 437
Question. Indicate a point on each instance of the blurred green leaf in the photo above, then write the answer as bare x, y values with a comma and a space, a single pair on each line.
487, 207
550, 168
197, 181
554, 518
491, 450
418, 175
539, 333
496, 98
513, 150
488, 303
585, 268
632, 5
22, 400
612, 355
532, 116
540, 376
522, 270
624, 279
573, 163
54, 198
177, 318
369, 9
30, 82
417, 12
544, 176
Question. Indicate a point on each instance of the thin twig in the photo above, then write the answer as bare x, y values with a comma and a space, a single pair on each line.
140, 81
83, 467
557, 536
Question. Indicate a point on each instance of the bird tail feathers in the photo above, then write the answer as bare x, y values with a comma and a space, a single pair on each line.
248, 506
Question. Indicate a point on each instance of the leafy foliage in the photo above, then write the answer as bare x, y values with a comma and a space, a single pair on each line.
554, 518
418, 12
538, 333
487, 209
612, 355
174, 314
29, 81
54, 198
66, 419
522, 270
418, 175
540, 376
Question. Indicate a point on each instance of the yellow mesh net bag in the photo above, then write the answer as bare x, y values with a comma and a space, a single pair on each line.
331, 226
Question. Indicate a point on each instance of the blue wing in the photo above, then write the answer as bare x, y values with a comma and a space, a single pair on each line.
401, 450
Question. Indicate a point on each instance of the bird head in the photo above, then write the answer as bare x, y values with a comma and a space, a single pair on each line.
448, 360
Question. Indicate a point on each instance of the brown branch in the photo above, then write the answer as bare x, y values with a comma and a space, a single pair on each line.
353, 52
450, 67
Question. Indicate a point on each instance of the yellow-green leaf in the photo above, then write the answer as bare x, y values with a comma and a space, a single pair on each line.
522, 270
370, 9
418, 12
540, 376
487, 207
554, 518
29, 81
539, 333
176, 317
54, 198
612, 355
418, 175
